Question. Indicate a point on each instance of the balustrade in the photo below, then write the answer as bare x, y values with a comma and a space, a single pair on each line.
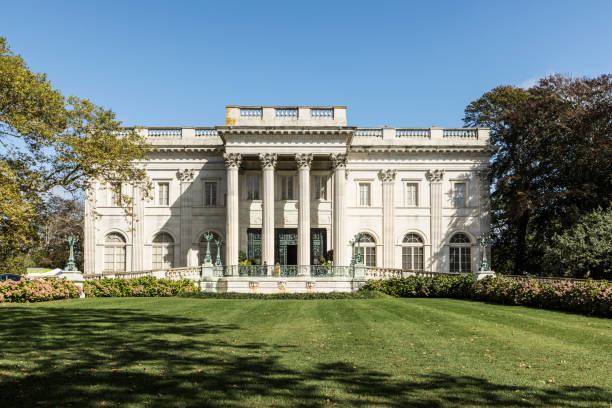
415, 132
165, 133
202, 132
322, 113
369, 132
291, 113
461, 133
251, 112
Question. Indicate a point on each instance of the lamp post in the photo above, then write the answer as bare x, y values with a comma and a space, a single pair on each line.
484, 265
71, 265
208, 237
218, 260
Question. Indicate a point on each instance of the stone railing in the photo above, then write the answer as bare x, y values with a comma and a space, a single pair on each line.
322, 113
369, 132
286, 271
124, 275
382, 273
165, 132
190, 272
413, 132
251, 112
290, 113
461, 133
202, 132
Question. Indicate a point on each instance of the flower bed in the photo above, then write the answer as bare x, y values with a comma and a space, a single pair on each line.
147, 286
37, 290
590, 297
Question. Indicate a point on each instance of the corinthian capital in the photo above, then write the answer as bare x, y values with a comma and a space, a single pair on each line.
268, 160
232, 160
435, 176
387, 176
304, 160
186, 175
338, 160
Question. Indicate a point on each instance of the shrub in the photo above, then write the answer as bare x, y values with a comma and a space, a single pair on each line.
362, 294
147, 286
590, 297
37, 290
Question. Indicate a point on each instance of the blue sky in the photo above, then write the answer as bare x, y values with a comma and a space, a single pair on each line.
393, 63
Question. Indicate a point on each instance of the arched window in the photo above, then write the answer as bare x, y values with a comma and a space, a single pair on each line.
460, 253
114, 253
412, 253
163, 251
368, 249
213, 248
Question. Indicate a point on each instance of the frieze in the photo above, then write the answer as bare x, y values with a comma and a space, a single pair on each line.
435, 176
304, 160
232, 160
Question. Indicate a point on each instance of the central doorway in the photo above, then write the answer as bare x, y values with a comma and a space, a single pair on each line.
286, 245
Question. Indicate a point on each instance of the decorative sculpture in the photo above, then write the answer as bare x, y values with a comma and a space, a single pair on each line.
358, 237
71, 265
208, 237
218, 260
484, 265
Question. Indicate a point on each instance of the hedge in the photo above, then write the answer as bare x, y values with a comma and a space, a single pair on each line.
589, 297
362, 294
147, 286
37, 290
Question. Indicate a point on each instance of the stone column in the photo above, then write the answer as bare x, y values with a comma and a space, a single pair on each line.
138, 229
90, 229
186, 178
268, 164
435, 178
339, 208
304, 161
232, 231
484, 205
388, 202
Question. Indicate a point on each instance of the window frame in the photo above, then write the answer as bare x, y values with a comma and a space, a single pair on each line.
215, 201
417, 183
286, 193
369, 250
453, 193
359, 196
412, 246
158, 184
320, 185
121, 246
462, 251
115, 191
250, 186
165, 249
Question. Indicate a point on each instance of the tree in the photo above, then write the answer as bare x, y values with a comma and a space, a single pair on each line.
50, 142
584, 251
553, 163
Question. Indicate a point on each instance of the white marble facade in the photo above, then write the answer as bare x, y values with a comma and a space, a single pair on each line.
299, 168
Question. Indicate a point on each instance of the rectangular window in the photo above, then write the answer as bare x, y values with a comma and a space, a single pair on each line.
412, 194
287, 188
320, 187
115, 190
459, 190
364, 194
210, 193
163, 194
460, 259
253, 187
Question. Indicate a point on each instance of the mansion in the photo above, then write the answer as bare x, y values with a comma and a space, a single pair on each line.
294, 186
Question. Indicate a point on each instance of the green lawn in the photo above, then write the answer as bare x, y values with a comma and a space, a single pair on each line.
176, 352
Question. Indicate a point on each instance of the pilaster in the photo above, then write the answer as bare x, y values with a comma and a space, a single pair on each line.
89, 233
304, 161
138, 229
232, 164
435, 178
339, 208
186, 178
388, 198
268, 164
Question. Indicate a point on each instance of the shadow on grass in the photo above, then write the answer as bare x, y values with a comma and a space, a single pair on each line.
116, 357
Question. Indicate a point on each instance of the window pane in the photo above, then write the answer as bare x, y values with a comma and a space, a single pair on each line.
411, 194
459, 194
255, 187
290, 188
454, 259
418, 258
466, 264
163, 193
210, 193
364, 194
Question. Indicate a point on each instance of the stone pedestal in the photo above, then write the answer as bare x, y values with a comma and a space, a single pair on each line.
208, 270
76, 277
478, 275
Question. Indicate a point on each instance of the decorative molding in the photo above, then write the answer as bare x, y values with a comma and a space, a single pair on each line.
232, 160
435, 176
387, 176
268, 160
304, 160
186, 175
338, 160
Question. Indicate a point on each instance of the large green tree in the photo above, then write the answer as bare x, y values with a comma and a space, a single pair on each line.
52, 143
553, 163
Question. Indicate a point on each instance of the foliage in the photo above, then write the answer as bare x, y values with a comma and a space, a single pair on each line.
553, 161
145, 286
585, 250
363, 294
49, 143
37, 290
17, 264
589, 297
